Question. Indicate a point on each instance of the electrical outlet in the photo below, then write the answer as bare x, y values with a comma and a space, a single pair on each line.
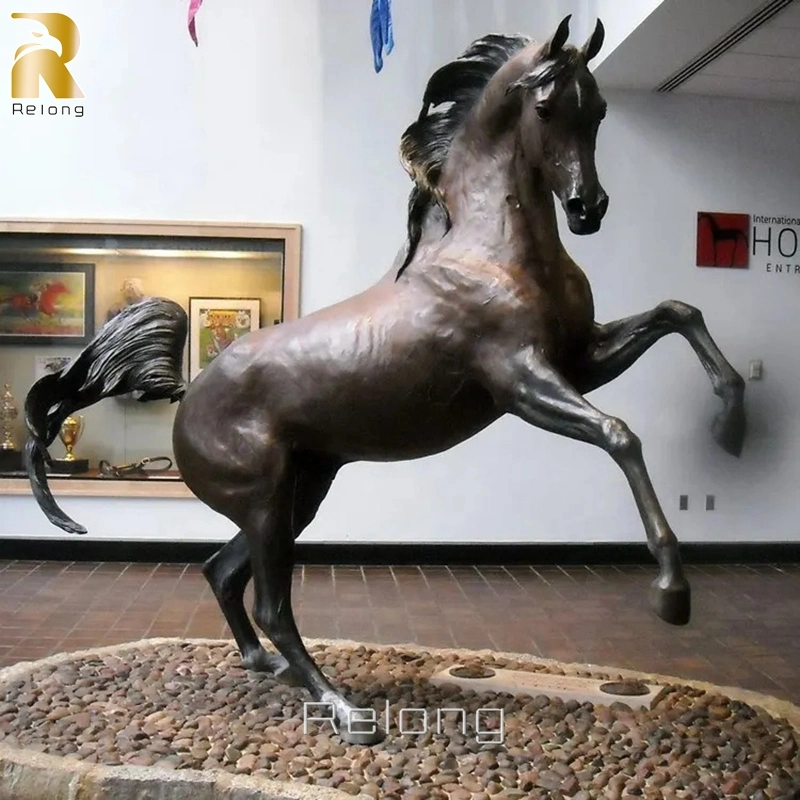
756, 371
683, 502
710, 502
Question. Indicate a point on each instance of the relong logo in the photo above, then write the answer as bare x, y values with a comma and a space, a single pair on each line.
46, 58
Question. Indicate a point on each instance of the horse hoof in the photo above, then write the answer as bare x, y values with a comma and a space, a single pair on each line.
673, 602
288, 677
729, 430
352, 735
270, 664
261, 661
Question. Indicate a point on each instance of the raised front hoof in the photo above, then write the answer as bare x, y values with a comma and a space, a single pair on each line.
352, 735
729, 429
672, 602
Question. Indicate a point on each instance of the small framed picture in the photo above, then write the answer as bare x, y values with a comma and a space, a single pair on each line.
215, 323
45, 304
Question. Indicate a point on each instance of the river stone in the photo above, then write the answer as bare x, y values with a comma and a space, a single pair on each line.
189, 706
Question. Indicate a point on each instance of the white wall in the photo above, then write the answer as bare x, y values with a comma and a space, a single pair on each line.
278, 116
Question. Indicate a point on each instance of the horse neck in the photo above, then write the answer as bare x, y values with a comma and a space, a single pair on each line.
500, 203
536, 221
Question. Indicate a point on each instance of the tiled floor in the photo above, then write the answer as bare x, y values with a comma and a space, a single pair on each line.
745, 630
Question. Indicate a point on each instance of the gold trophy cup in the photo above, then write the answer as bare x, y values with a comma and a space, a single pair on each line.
10, 457
8, 413
70, 433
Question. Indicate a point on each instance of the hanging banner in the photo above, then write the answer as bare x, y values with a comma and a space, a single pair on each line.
194, 7
381, 31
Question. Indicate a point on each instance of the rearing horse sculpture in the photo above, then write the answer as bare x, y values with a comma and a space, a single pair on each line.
483, 314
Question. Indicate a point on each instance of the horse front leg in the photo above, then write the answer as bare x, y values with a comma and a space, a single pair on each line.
529, 388
620, 343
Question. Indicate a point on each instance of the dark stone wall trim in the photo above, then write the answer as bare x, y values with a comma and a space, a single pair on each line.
398, 553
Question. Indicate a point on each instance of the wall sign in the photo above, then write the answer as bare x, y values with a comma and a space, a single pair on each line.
767, 243
722, 240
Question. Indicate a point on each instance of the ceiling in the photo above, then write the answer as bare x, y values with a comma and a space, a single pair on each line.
765, 64
732, 48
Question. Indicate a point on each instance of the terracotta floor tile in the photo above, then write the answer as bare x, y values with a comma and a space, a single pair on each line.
745, 630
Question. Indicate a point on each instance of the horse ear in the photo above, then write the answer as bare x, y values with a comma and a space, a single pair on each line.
559, 39
594, 42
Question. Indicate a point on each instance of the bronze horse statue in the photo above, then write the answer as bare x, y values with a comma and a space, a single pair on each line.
483, 314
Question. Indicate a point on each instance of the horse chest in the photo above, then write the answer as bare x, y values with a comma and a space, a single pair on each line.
555, 314
569, 320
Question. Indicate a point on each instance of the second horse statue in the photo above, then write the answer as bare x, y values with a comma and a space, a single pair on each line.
483, 314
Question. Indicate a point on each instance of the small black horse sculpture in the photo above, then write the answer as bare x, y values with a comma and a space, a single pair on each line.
483, 314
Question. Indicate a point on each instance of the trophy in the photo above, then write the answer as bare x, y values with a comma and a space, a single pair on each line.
10, 457
70, 432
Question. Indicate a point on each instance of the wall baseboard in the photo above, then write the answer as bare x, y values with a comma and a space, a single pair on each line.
397, 554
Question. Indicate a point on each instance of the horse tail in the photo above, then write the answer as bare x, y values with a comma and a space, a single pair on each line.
140, 350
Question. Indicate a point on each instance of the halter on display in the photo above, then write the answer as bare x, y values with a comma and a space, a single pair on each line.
136, 469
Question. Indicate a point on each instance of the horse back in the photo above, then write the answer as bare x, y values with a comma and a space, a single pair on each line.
381, 376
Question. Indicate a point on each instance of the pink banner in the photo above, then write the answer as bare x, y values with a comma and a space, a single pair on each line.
194, 7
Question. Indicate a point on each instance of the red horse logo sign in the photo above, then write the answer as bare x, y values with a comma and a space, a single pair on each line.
723, 240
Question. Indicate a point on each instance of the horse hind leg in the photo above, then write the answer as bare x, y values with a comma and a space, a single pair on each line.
228, 572
272, 525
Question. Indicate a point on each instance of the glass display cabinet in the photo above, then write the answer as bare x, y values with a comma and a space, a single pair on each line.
61, 281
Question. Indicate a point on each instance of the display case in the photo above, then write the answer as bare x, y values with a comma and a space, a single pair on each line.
61, 281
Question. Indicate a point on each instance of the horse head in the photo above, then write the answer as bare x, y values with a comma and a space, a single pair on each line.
540, 105
560, 108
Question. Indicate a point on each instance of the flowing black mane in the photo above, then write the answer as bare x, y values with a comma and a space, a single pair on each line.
426, 142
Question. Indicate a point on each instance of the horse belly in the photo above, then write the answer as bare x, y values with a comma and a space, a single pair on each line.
373, 426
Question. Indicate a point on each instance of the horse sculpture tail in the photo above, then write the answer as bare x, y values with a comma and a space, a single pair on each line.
140, 350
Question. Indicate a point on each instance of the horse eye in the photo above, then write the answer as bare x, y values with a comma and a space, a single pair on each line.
543, 112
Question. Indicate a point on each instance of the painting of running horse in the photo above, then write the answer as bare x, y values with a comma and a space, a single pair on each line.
483, 314
46, 303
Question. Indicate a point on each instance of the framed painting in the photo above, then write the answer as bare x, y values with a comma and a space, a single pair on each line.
215, 323
46, 304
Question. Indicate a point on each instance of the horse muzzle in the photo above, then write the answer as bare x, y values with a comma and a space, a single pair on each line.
584, 219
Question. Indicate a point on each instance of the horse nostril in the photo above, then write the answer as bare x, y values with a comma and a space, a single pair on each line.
575, 206
602, 206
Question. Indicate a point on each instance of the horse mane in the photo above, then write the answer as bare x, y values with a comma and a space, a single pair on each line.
426, 142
